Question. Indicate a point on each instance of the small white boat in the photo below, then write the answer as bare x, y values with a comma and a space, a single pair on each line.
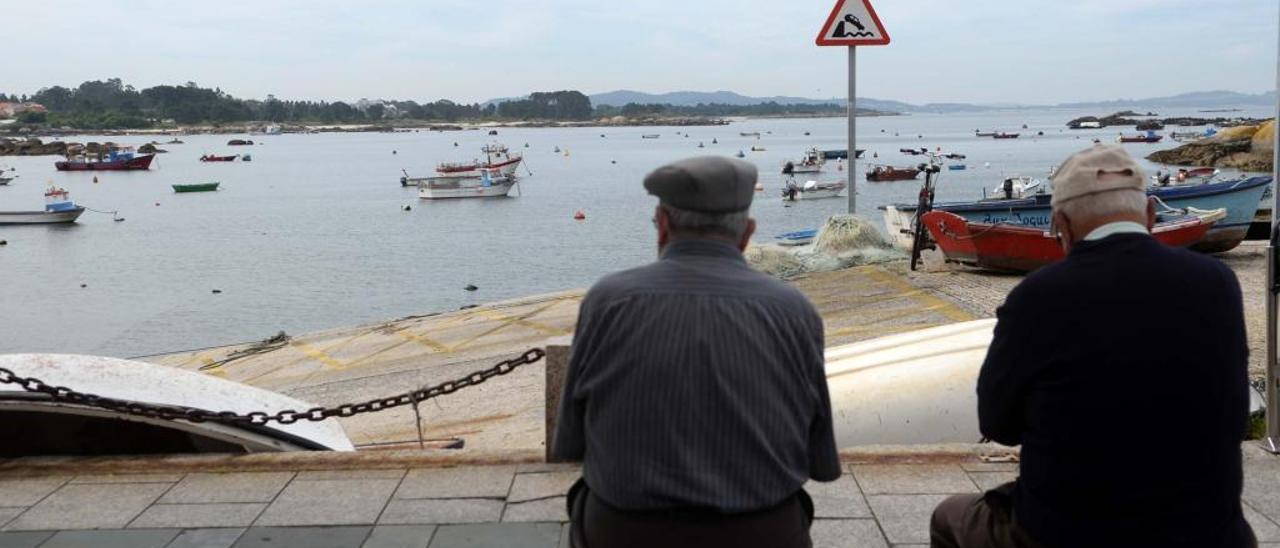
811, 163
491, 183
812, 190
496, 156
6, 180
799, 237
58, 208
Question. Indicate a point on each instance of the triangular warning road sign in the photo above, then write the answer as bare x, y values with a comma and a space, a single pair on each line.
853, 23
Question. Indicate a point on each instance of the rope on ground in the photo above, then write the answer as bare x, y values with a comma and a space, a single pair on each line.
115, 215
269, 344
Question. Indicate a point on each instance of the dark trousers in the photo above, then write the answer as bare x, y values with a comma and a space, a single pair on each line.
978, 521
986, 521
596, 524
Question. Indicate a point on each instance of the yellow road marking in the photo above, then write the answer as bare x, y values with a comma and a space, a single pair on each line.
507, 321
947, 308
315, 354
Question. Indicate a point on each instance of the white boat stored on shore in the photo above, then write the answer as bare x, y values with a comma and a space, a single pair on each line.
489, 184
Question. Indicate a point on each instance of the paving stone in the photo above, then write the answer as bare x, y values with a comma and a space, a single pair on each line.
838, 499
846, 533
308, 537
236, 487
329, 502
1265, 529
913, 479
552, 509
26, 492
498, 535
528, 487
24, 539
426, 511
990, 480
350, 474
473, 482
127, 478
400, 536
207, 538
989, 466
89, 506
149, 538
7, 514
905, 518
534, 467
239, 514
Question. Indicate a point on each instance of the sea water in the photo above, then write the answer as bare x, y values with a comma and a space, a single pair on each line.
313, 234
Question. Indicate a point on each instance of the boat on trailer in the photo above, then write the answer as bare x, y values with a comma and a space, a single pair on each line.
1003, 246
1239, 197
491, 183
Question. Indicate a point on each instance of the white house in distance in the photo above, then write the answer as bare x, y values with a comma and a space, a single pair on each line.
9, 110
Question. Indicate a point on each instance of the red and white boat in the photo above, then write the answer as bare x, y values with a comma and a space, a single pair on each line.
889, 173
115, 161
495, 157
1017, 248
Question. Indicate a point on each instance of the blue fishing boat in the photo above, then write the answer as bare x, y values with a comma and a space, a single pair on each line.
957, 167
1239, 197
799, 237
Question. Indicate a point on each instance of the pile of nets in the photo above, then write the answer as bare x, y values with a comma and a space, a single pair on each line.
844, 241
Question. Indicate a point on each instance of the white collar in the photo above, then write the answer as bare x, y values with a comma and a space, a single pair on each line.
1118, 227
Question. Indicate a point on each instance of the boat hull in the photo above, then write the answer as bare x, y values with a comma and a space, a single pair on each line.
892, 175
448, 192
210, 187
137, 163
830, 190
1023, 249
1240, 198
40, 217
506, 167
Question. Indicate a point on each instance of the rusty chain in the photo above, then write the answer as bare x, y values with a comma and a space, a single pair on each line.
288, 416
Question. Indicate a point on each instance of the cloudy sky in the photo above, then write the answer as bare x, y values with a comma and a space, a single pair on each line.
987, 51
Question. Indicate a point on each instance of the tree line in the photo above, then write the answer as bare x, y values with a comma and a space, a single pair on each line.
112, 104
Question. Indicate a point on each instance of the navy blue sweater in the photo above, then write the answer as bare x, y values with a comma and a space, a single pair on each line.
1122, 372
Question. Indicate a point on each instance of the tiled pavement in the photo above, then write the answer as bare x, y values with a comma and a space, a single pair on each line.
876, 505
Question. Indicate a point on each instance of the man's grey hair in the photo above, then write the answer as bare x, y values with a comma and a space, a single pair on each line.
725, 225
1105, 203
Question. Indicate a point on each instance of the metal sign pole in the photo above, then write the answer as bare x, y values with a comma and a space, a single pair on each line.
1273, 369
853, 131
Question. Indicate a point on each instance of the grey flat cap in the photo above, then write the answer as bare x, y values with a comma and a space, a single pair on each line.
709, 184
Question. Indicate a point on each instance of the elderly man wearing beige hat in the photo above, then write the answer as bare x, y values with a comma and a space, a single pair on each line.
1130, 415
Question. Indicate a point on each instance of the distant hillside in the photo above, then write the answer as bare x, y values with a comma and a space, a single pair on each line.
690, 98
1201, 99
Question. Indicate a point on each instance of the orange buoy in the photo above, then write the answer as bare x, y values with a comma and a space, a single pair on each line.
579, 216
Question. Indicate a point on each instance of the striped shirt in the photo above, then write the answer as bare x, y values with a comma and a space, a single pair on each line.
697, 382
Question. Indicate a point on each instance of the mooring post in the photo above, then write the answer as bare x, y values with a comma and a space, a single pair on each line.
1272, 442
557, 362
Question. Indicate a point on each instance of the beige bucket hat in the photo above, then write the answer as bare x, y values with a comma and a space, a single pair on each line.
1097, 169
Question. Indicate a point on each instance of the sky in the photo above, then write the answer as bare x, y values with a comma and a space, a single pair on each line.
974, 51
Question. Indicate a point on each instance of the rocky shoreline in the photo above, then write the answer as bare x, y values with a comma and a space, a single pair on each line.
1247, 148
1150, 121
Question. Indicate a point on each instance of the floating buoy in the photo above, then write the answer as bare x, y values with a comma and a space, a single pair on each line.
407, 208
455, 143
526, 145
714, 141
95, 179
806, 134
217, 292
759, 187
987, 164
4, 242
602, 136
579, 216
470, 287
157, 204
82, 286
393, 152
613, 161
118, 219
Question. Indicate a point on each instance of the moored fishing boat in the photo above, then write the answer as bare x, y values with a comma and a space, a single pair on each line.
841, 153
811, 163
1002, 246
115, 161
496, 156
755, 134
1003, 135
491, 183
213, 158
1184, 176
58, 208
1148, 137
1239, 197
650, 136
196, 187
812, 190
977, 133
889, 173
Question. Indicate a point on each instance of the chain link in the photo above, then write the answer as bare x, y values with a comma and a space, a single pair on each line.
288, 416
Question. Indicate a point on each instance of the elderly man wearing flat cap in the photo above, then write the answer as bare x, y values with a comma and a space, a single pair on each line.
1121, 371
695, 393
